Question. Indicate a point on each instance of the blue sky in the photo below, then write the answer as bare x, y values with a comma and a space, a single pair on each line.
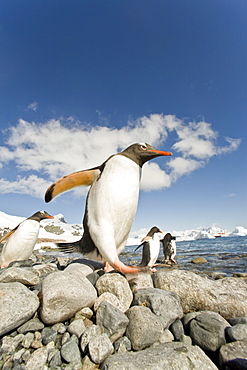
81, 80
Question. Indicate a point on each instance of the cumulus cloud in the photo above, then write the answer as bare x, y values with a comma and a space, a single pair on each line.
55, 148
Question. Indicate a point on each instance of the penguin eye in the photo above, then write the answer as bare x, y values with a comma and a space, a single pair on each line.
143, 147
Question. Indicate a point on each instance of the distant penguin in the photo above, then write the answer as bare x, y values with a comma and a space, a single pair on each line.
20, 241
111, 204
169, 248
151, 247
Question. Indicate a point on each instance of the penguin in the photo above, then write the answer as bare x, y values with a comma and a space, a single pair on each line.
111, 204
169, 248
151, 247
20, 242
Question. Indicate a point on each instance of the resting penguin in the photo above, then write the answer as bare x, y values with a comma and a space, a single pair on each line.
111, 203
21, 240
151, 247
169, 248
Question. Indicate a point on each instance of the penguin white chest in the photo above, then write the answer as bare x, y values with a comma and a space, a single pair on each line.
154, 249
113, 200
20, 244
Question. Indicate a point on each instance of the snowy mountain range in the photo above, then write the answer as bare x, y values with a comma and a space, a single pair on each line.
58, 229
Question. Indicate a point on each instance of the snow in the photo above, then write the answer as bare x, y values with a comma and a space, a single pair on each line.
73, 232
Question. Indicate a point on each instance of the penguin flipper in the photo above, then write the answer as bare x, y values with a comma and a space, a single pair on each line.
138, 246
85, 178
8, 234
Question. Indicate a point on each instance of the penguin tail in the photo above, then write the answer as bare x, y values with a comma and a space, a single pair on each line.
72, 247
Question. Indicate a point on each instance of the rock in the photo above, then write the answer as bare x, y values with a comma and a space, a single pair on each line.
100, 347
88, 335
64, 294
166, 337
227, 296
237, 332
207, 330
10, 344
37, 359
48, 335
81, 268
70, 351
199, 260
139, 281
111, 320
24, 276
59, 327
237, 320
123, 344
77, 327
165, 305
174, 355
54, 358
233, 355
27, 340
31, 326
144, 328
111, 298
17, 305
116, 284
177, 329
87, 364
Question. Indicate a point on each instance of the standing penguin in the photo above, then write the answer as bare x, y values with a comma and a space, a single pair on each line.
111, 203
169, 248
151, 247
21, 240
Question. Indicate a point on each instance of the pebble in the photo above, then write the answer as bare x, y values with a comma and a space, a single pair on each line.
140, 319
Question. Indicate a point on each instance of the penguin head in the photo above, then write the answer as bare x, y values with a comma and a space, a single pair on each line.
140, 153
153, 230
40, 215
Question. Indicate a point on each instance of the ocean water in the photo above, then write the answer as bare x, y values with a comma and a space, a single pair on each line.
227, 255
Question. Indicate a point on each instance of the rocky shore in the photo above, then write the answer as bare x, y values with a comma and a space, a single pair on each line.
65, 314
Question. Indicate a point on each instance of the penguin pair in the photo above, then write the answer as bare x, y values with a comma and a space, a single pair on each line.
169, 248
111, 204
151, 247
20, 242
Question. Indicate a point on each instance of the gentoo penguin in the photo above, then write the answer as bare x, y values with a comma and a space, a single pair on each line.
111, 203
21, 240
151, 247
169, 248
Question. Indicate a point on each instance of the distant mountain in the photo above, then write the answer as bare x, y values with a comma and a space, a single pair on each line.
58, 229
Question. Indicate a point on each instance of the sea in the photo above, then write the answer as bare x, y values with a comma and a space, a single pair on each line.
226, 256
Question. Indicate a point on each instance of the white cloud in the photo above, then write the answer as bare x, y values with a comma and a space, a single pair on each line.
58, 147
33, 106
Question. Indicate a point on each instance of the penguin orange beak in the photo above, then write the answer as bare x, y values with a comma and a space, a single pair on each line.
160, 152
49, 216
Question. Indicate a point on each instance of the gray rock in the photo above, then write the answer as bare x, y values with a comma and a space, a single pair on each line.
207, 330
24, 276
139, 281
48, 335
199, 260
59, 327
121, 345
54, 358
87, 364
111, 298
70, 351
144, 328
176, 356
89, 334
177, 329
77, 327
100, 347
237, 320
81, 268
116, 284
17, 305
64, 294
165, 305
227, 296
233, 355
166, 337
65, 338
27, 340
31, 326
186, 340
37, 359
111, 320
237, 332
9, 344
